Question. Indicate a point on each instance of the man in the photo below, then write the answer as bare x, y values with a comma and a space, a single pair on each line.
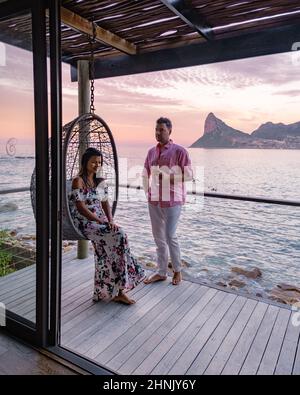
167, 167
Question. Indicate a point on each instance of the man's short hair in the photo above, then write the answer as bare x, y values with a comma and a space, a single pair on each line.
165, 121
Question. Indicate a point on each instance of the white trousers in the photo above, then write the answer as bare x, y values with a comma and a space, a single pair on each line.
164, 222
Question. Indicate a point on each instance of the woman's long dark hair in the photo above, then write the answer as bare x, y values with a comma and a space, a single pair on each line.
84, 161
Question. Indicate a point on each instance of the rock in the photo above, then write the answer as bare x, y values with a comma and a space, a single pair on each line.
150, 264
26, 237
6, 207
285, 296
288, 287
236, 283
67, 248
254, 273
183, 264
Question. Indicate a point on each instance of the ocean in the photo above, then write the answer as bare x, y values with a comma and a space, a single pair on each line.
215, 234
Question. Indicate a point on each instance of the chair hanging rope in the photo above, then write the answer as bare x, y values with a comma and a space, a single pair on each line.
92, 41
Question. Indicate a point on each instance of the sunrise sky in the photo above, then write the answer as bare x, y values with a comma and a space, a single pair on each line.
242, 93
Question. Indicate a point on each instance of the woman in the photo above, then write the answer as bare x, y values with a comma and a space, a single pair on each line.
116, 270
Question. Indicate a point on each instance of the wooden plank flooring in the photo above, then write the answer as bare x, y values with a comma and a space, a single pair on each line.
189, 329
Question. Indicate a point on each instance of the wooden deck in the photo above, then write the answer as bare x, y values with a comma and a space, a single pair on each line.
189, 329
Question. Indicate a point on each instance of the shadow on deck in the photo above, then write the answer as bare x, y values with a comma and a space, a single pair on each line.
186, 329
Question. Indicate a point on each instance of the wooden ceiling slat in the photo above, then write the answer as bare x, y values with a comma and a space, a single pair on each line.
219, 12
253, 15
83, 25
254, 27
138, 18
127, 18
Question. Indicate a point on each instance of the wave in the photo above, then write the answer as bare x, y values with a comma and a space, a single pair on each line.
16, 157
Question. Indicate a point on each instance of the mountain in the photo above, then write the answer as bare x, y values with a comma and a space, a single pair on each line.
277, 131
219, 135
269, 135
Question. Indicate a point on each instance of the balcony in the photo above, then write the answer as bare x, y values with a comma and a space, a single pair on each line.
187, 329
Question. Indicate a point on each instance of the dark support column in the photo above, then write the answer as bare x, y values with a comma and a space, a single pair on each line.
56, 171
42, 169
190, 16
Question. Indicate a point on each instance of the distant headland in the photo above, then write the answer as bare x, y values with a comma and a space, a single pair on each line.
268, 136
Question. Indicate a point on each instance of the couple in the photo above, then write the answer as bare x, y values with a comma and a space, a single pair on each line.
116, 270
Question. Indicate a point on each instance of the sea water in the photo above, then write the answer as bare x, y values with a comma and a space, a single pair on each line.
214, 234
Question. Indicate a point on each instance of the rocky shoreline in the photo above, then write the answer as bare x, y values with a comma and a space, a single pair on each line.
244, 280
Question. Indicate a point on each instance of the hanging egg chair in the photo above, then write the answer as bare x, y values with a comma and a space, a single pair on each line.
87, 130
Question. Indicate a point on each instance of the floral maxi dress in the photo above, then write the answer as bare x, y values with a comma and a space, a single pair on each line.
115, 267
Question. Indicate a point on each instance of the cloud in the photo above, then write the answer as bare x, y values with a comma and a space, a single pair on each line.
190, 76
289, 93
277, 69
19, 85
130, 98
243, 93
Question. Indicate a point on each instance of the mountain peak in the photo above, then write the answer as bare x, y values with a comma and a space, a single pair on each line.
211, 123
211, 115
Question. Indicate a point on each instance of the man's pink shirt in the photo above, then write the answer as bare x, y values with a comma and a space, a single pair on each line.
169, 155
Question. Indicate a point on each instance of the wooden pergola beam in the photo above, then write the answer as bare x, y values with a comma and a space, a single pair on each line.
270, 41
190, 16
82, 25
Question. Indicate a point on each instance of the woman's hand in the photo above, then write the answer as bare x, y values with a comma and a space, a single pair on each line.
112, 226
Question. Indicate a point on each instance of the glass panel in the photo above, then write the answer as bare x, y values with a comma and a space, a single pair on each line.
17, 158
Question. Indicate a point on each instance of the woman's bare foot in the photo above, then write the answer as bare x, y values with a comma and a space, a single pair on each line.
177, 277
123, 298
154, 277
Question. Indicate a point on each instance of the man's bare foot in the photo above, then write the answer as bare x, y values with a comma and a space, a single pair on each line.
123, 298
176, 278
153, 278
